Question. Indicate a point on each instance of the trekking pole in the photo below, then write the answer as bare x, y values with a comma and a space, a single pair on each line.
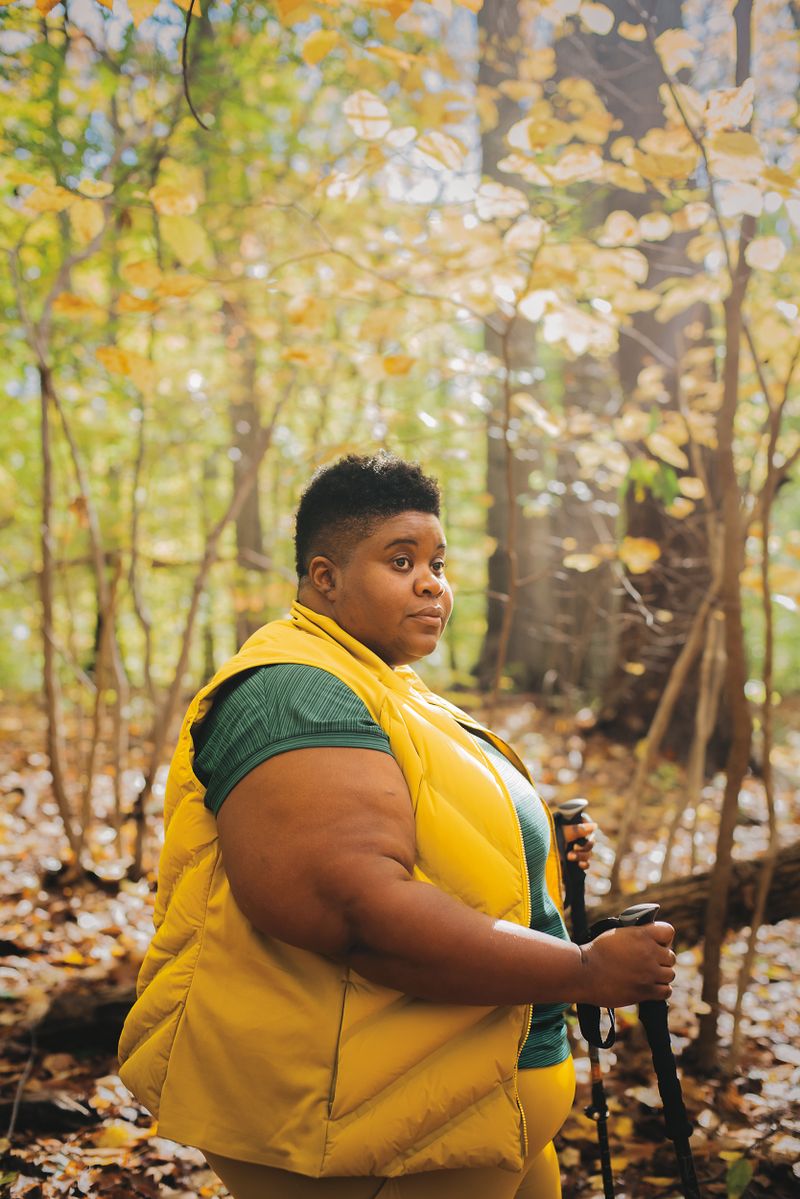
573, 811
653, 1015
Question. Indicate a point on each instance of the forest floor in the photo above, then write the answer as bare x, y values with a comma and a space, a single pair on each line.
68, 1127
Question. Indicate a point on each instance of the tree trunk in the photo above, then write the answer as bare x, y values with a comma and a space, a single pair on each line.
733, 551
684, 900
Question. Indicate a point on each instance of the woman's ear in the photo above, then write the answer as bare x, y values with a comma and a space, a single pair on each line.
323, 575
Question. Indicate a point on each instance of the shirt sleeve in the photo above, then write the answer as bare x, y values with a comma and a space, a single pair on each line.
270, 710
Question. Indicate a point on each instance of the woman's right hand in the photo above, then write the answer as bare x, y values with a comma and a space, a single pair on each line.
628, 965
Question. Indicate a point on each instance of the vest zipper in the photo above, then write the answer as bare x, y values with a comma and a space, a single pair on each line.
527, 897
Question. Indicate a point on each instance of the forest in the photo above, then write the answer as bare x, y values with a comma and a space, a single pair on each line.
549, 249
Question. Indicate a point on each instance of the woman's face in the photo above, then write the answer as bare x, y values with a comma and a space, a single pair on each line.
392, 594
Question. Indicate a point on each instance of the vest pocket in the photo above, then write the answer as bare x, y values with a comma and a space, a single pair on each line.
337, 1051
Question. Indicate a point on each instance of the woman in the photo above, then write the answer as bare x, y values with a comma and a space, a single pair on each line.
359, 898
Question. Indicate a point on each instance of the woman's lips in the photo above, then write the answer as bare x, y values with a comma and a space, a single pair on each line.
431, 617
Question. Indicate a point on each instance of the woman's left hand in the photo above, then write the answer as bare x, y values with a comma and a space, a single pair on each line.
580, 853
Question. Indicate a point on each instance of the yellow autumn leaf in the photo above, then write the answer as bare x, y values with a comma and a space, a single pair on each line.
126, 362
538, 132
49, 197
142, 9
551, 424
12, 174
68, 304
735, 155
186, 238
622, 177
680, 508
318, 44
516, 164
114, 359
735, 199
730, 107
582, 562
663, 167
676, 48
597, 18
539, 65
638, 554
633, 263
704, 289
633, 425
473, 6
95, 189
87, 219
494, 201
620, 229
691, 216
779, 181
692, 487
305, 355
367, 116
46, 6
664, 448
401, 58
398, 364
118, 1134
634, 668
169, 200
520, 89
441, 150
401, 137
655, 226
177, 286
291, 11
128, 303
144, 273
577, 164
765, 253
527, 233
632, 33
307, 310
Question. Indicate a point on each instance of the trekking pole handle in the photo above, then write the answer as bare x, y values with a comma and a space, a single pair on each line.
573, 811
640, 913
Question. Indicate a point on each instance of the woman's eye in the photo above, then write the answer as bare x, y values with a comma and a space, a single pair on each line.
438, 566
402, 561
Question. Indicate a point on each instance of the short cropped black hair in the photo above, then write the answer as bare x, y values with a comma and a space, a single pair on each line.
345, 500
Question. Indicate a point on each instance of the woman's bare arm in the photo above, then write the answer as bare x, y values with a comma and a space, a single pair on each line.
319, 846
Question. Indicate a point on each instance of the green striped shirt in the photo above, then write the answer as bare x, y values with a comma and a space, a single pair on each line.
271, 709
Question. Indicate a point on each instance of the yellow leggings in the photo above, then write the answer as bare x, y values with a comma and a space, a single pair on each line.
546, 1095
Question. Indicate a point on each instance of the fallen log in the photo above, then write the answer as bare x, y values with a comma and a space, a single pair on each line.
89, 1018
683, 900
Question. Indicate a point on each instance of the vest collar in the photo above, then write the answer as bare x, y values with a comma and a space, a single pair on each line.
400, 678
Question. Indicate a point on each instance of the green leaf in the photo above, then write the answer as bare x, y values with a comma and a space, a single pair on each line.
738, 1177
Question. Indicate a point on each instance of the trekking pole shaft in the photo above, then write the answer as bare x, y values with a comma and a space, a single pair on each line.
654, 1018
574, 812
653, 1015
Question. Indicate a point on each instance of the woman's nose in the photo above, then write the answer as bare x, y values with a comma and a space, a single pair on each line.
429, 584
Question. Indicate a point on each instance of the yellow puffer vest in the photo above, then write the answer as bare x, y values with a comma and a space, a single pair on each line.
250, 1048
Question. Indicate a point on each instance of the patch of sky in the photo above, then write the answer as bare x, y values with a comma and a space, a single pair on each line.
13, 41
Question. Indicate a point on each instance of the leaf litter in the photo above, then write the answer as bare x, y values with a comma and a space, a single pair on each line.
70, 951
